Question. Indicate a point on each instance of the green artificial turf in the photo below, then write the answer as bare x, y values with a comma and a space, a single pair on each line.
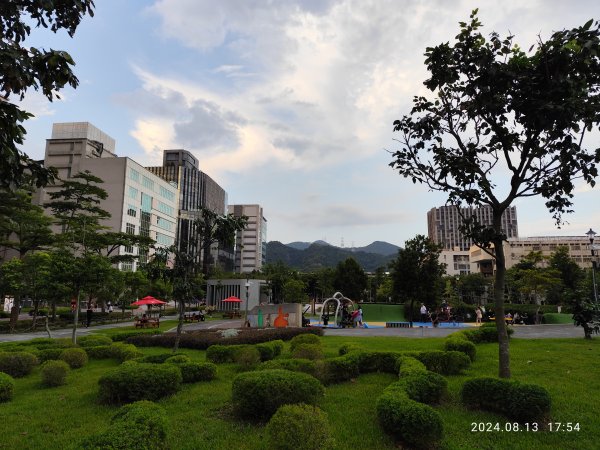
382, 313
200, 414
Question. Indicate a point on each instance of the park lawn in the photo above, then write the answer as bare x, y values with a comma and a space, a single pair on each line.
200, 414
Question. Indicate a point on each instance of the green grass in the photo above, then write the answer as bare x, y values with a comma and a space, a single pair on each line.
383, 313
164, 325
200, 414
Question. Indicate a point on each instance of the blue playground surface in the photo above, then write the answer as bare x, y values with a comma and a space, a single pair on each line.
315, 323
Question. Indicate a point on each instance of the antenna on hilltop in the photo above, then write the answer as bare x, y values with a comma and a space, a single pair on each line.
342, 243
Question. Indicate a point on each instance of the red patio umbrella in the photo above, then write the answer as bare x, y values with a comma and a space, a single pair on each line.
232, 299
148, 300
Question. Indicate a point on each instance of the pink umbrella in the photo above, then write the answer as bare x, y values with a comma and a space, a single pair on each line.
232, 299
149, 300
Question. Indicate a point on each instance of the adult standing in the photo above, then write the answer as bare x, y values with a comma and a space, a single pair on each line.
478, 315
360, 316
423, 312
88, 316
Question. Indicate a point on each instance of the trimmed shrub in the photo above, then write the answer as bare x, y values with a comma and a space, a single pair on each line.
7, 387
54, 373
338, 370
269, 350
518, 401
487, 332
257, 395
178, 359
220, 353
445, 363
295, 365
460, 344
139, 426
425, 387
17, 364
137, 381
411, 422
158, 359
377, 362
246, 356
49, 354
347, 348
124, 335
193, 372
74, 357
94, 340
100, 352
408, 365
307, 351
299, 427
304, 339
125, 352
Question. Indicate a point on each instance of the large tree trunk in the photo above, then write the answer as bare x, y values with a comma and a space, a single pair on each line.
503, 347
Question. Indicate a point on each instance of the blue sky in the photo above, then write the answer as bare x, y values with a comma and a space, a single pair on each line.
288, 104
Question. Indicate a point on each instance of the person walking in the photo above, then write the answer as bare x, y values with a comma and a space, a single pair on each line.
478, 316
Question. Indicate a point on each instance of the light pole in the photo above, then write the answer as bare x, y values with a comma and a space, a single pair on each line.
246, 323
590, 235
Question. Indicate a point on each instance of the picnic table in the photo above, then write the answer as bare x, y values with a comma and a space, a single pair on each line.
232, 315
146, 323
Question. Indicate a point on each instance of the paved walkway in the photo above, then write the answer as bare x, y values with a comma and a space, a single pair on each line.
521, 331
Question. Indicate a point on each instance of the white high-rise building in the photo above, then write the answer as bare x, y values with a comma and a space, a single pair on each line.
251, 243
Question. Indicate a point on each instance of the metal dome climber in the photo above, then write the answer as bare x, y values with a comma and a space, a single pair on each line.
338, 307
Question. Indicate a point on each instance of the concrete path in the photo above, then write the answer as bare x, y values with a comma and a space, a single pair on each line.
521, 331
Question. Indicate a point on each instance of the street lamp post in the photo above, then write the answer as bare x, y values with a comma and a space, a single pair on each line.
590, 235
247, 323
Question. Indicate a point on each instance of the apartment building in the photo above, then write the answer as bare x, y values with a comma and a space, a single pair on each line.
139, 201
251, 243
443, 225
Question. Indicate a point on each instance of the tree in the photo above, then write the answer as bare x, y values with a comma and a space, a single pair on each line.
586, 311
22, 68
350, 279
277, 275
416, 273
570, 274
23, 226
293, 291
499, 109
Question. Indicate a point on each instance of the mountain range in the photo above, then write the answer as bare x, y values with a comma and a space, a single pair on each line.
307, 256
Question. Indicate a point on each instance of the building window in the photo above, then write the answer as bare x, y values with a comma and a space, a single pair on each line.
134, 175
133, 192
164, 239
164, 208
164, 224
169, 195
131, 211
148, 183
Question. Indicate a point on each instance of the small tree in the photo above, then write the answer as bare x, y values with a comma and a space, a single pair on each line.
293, 291
501, 113
417, 273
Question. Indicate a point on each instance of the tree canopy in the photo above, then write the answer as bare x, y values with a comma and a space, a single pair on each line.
501, 113
23, 68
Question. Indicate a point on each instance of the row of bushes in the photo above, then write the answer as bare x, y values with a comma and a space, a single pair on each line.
202, 339
227, 353
21, 364
403, 409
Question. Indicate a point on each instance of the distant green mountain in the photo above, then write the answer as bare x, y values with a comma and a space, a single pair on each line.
317, 256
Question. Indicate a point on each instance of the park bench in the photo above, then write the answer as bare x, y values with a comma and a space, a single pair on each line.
232, 315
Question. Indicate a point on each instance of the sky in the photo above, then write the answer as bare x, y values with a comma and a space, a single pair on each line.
286, 103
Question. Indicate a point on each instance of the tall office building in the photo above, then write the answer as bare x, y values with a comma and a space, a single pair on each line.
138, 201
251, 243
196, 190
443, 225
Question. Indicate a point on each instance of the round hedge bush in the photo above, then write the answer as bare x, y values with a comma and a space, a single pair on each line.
257, 395
139, 426
7, 387
131, 382
17, 364
307, 351
413, 423
54, 373
246, 356
299, 427
307, 338
295, 365
95, 340
74, 357
178, 359
193, 372
338, 370
158, 359
425, 387
49, 354
459, 344
125, 352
